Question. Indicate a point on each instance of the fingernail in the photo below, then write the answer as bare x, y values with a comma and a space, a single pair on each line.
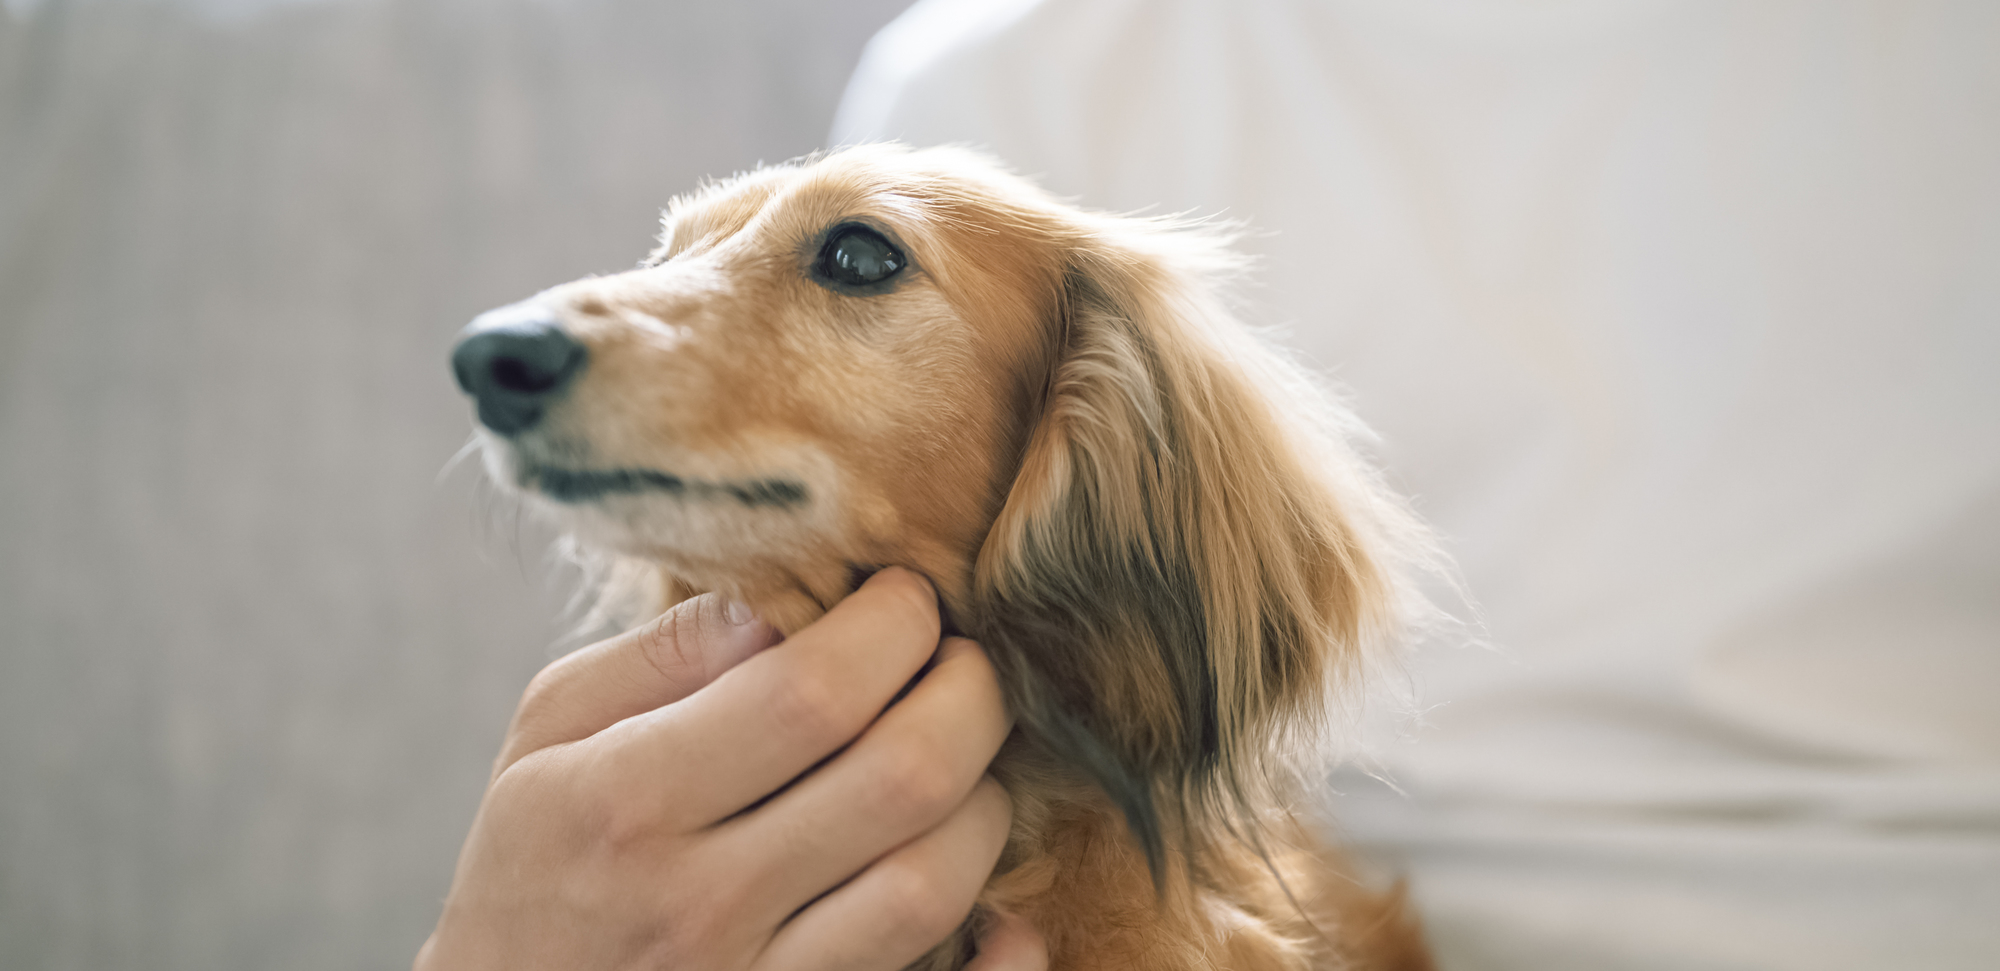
739, 614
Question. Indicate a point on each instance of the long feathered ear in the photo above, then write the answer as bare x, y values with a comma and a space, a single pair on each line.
1190, 556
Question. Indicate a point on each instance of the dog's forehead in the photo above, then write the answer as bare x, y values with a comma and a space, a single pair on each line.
902, 191
716, 210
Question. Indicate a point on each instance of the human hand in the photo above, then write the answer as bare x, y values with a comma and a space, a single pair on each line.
630, 822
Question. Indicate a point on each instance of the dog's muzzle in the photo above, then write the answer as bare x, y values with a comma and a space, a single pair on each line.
516, 362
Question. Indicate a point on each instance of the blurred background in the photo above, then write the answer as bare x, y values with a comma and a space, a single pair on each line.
1680, 319
255, 657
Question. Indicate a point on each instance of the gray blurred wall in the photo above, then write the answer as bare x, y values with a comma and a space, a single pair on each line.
254, 656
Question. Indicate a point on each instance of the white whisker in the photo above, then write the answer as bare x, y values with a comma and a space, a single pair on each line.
451, 464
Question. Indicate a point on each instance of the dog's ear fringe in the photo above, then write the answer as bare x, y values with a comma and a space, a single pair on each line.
1193, 564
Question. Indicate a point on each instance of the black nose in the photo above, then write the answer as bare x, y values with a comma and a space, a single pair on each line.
516, 361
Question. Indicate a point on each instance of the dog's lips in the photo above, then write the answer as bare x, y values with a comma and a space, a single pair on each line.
576, 486
579, 486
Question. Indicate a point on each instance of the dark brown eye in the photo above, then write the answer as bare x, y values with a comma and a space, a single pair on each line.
857, 256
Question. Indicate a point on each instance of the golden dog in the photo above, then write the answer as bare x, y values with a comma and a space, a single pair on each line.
1150, 520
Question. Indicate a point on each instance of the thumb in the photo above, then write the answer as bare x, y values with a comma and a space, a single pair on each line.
650, 666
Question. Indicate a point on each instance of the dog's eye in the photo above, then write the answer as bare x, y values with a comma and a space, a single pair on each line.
858, 256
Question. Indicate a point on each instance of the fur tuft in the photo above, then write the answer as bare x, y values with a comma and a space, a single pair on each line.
1182, 571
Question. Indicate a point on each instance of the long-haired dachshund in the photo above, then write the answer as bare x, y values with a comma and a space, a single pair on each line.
1151, 521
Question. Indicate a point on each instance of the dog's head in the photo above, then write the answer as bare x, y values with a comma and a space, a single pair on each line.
881, 356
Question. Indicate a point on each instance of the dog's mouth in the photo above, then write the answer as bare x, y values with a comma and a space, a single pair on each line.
579, 486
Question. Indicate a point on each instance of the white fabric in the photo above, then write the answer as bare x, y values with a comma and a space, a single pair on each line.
1682, 322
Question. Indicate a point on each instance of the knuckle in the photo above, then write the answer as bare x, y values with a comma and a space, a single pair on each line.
914, 782
618, 826
625, 825
916, 904
517, 782
538, 794
804, 708
614, 813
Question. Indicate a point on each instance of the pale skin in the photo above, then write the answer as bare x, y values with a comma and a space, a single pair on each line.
631, 824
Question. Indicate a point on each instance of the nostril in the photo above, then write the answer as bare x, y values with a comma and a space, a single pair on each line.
523, 376
514, 361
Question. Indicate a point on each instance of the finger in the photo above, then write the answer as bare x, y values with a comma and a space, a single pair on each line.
1010, 944
906, 903
655, 664
910, 769
776, 715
